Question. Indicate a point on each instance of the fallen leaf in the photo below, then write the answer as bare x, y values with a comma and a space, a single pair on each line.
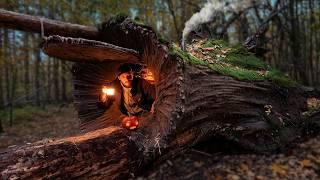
305, 163
279, 169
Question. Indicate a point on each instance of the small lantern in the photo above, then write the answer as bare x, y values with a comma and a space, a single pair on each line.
130, 122
108, 91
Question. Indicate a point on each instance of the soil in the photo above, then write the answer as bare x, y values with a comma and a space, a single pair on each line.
56, 122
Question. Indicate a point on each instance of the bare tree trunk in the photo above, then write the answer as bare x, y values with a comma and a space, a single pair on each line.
49, 79
26, 66
1, 69
1, 88
63, 82
174, 18
56, 84
37, 75
1, 79
6, 65
13, 79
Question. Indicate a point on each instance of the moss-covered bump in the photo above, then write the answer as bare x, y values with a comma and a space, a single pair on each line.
236, 61
118, 18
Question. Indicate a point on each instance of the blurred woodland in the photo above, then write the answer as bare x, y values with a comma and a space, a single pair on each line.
289, 31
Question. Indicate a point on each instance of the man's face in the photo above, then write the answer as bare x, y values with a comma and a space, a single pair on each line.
126, 79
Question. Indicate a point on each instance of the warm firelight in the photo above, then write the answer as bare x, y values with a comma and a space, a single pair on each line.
108, 91
147, 75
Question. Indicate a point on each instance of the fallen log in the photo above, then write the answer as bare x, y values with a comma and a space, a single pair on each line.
199, 97
24, 22
106, 152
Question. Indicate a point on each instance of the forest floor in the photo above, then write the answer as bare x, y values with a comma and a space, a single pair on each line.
32, 125
300, 162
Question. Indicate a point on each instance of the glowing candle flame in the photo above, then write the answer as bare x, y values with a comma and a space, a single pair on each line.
108, 91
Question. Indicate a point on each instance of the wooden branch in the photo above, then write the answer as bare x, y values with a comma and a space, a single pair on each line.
13, 20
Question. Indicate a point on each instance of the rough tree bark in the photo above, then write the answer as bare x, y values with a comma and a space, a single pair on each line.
193, 104
29, 23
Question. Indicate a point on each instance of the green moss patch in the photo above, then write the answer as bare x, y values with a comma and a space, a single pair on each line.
118, 18
236, 62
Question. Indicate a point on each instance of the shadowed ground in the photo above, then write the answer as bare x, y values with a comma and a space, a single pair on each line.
53, 122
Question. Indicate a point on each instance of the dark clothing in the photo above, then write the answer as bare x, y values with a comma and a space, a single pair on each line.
142, 92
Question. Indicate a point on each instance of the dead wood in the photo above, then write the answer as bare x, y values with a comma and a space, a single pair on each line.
24, 22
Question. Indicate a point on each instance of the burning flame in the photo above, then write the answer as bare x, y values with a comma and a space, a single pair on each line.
108, 91
147, 75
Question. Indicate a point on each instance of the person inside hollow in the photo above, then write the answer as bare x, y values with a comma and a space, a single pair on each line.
132, 94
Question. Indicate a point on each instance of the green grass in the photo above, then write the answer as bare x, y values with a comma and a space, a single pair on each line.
236, 62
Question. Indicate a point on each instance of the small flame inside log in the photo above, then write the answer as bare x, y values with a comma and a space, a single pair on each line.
147, 75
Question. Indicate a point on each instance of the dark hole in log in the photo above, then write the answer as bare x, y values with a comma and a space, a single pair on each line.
89, 78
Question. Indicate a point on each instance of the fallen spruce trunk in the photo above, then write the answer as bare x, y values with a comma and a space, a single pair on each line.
195, 102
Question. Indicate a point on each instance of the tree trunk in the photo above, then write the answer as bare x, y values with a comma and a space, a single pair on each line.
56, 87
6, 65
13, 77
49, 79
63, 82
26, 66
1, 70
1, 80
193, 104
37, 75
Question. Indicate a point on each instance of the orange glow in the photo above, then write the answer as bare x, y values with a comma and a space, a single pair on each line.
108, 91
147, 75
130, 122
